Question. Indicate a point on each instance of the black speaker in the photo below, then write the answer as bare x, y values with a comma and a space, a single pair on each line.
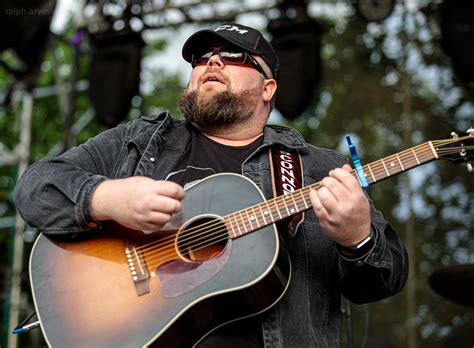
457, 36
114, 74
298, 44
24, 25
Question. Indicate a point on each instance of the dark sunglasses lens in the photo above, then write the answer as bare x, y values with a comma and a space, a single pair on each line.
226, 57
232, 57
201, 59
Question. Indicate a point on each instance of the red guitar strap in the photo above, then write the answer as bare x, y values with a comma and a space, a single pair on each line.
287, 176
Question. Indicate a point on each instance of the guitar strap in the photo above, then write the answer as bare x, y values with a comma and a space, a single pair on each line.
287, 176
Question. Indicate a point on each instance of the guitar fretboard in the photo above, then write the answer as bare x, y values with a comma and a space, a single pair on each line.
273, 210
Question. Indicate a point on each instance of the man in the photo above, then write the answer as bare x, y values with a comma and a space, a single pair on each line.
134, 174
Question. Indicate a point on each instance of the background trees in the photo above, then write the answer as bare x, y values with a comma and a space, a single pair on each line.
389, 85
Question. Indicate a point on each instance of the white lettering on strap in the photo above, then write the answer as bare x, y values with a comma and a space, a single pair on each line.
289, 172
287, 188
287, 175
290, 181
231, 28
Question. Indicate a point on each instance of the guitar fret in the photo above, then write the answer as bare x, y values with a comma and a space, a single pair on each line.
399, 161
284, 203
371, 172
243, 222
249, 219
277, 209
256, 218
269, 211
262, 214
292, 210
385, 167
231, 227
252, 218
416, 157
304, 199
237, 224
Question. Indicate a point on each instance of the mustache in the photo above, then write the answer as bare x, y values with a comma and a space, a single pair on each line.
213, 70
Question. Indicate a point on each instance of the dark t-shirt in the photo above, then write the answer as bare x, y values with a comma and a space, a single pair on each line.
205, 157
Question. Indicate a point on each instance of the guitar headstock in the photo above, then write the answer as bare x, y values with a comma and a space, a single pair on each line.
457, 149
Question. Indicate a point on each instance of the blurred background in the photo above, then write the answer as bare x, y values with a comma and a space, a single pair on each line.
390, 73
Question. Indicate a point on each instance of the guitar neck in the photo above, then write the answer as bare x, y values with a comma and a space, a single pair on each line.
250, 219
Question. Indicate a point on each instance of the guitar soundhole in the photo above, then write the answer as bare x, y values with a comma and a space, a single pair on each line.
202, 239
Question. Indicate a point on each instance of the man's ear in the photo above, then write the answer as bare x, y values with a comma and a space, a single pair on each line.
269, 89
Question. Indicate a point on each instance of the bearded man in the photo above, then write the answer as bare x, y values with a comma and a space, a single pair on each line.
144, 176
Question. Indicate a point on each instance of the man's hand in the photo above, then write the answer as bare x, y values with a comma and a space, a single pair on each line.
138, 202
342, 207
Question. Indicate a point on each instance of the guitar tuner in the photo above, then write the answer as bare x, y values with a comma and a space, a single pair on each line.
469, 166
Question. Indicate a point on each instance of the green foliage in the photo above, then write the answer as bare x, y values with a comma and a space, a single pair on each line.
384, 98
163, 96
374, 89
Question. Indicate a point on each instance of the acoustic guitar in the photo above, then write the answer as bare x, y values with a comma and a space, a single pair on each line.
217, 261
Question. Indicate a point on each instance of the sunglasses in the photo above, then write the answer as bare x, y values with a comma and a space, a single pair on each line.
235, 58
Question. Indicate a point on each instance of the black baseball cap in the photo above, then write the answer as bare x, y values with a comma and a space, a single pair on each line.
249, 39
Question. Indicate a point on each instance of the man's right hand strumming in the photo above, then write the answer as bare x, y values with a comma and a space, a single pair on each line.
138, 202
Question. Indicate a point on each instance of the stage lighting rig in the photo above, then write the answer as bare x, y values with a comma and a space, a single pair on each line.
114, 73
297, 40
457, 36
25, 27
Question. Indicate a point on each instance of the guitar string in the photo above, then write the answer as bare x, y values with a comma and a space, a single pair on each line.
186, 242
198, 246
204, 243
221, 231
214, 240
279, 205
218, 223
375, 170
204, 237
197, 227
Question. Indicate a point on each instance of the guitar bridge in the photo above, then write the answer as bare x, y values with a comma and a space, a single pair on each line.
138, 270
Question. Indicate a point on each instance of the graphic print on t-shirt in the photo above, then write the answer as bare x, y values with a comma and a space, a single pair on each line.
204, 157
190, 175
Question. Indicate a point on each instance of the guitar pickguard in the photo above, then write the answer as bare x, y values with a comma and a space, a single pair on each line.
178, 277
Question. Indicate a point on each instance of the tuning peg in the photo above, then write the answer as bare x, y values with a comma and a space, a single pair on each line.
469, 167
454, 135
470, 131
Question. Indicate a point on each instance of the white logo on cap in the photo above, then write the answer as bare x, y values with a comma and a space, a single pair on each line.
231, 28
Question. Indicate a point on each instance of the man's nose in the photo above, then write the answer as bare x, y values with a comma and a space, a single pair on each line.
215, 60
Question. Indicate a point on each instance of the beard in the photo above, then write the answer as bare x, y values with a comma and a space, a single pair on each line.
219, 109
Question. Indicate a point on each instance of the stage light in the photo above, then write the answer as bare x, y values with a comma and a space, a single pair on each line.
114, 73
25, 27
297, 40
457, 36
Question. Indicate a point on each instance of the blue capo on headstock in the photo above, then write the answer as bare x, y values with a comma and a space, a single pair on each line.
357, 165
